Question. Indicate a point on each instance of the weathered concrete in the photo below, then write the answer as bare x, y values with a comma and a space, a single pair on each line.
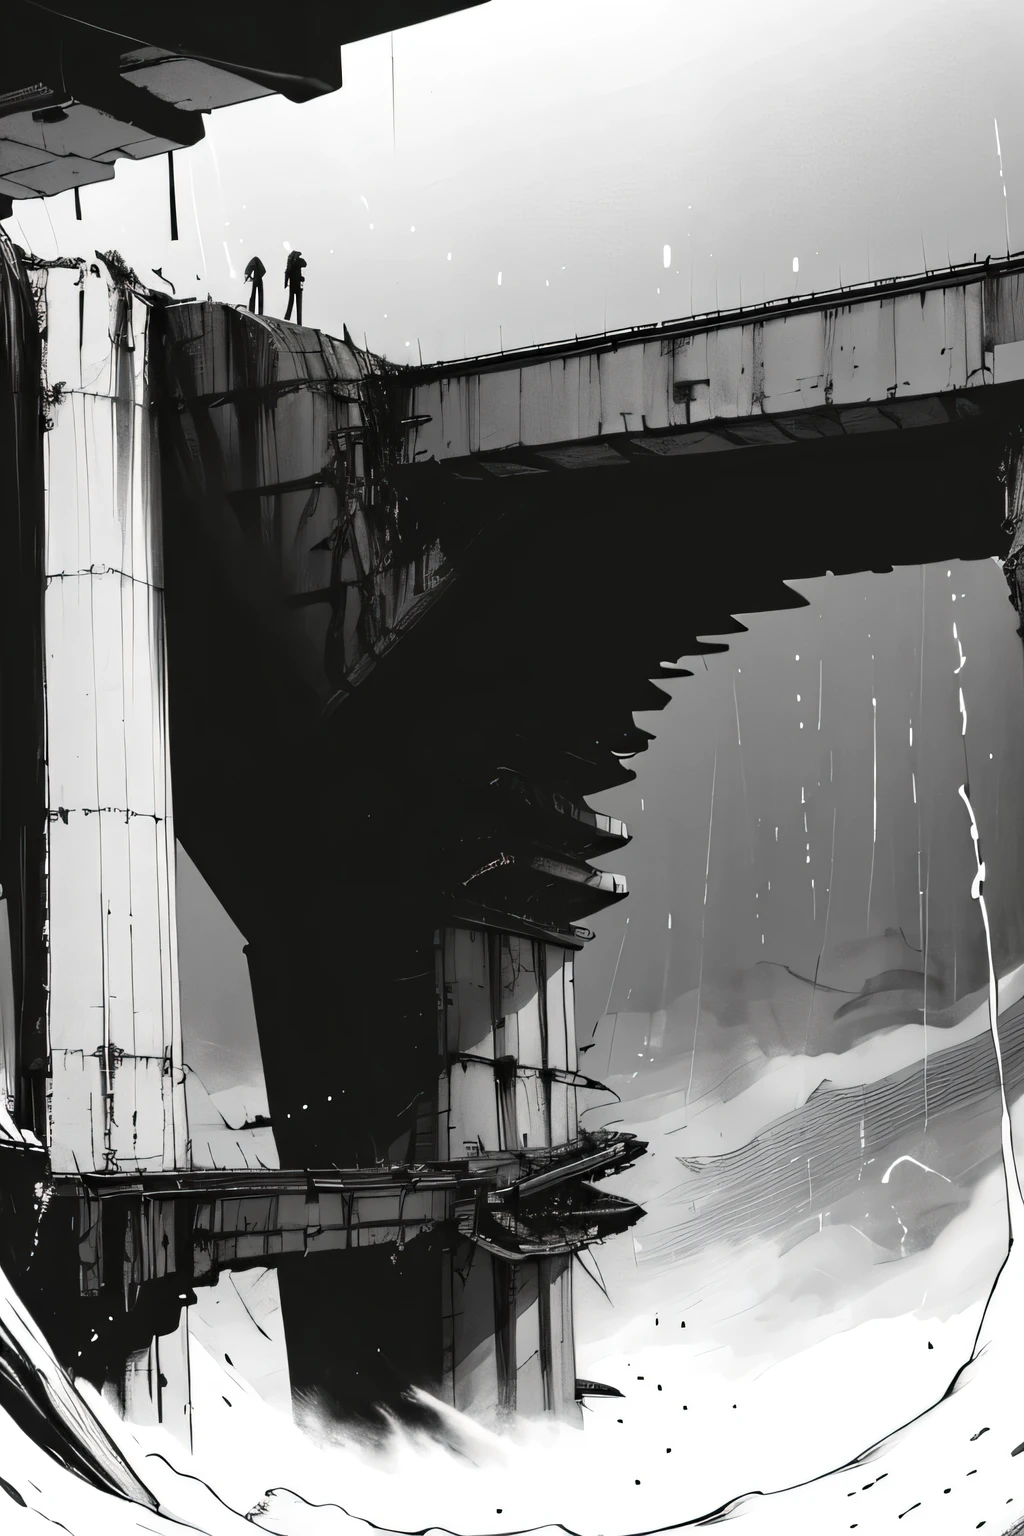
878, 357
22, 730
116, 1096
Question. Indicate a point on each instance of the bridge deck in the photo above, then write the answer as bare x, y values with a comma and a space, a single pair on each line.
852, 360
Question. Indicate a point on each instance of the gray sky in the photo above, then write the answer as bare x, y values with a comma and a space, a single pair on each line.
861, 636
564, 143
218, 1021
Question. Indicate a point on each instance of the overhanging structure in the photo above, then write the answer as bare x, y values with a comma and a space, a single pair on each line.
85, 83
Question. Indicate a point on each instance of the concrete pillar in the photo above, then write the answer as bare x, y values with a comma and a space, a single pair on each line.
560, 1384
475, 1342
508, 1041
509, 1344
116, 1095
22, 777
157, 1384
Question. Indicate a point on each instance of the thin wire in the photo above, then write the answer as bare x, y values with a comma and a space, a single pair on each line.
615, 973
394, 135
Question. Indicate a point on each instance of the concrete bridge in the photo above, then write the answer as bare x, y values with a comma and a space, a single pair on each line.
364, 638
875, 357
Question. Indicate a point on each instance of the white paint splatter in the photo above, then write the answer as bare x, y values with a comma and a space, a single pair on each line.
1006, 206
906, 1158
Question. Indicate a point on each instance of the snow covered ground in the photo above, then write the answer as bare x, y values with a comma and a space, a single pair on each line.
951, 1470
797, 1360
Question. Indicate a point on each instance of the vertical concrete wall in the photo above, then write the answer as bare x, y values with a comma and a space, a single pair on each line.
509, 1345
561, 1366
508, 1037
158, 1386
116, 1096
468, 1319
545, 1349
298, 430
22, 858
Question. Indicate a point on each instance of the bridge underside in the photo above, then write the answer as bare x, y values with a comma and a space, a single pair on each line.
569, 591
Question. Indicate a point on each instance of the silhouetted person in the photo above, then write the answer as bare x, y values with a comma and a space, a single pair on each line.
293, 281
255, 273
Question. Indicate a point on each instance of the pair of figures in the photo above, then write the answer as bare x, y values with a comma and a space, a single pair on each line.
293, 281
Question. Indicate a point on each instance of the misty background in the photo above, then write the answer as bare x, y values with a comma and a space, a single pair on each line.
842, 713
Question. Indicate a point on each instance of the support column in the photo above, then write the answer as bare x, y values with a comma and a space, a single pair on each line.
509, 1345
157, 1384
22, 777
116, 1094
508, 1039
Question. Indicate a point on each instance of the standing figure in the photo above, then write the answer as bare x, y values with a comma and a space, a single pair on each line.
293, 281
254, 273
